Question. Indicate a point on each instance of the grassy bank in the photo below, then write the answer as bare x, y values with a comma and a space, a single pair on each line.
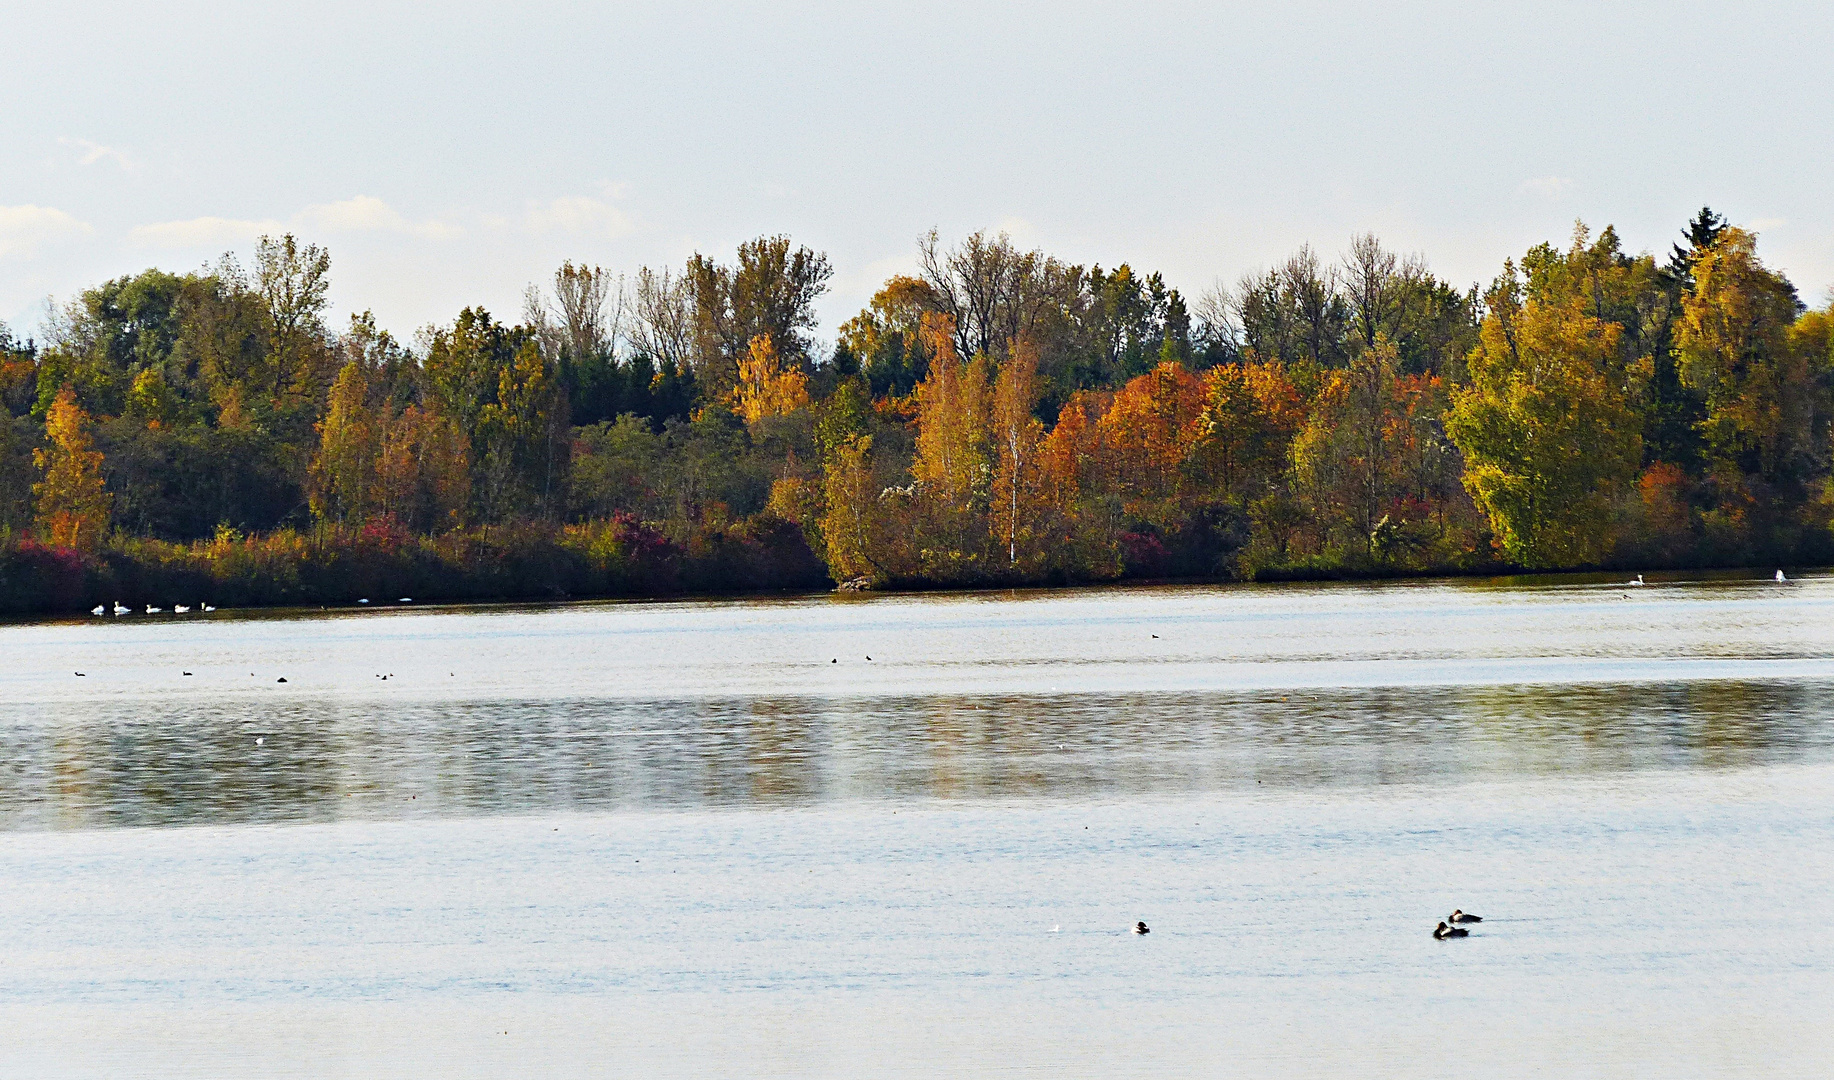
619, 557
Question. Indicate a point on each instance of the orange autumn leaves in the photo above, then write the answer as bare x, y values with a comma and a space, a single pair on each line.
994, 494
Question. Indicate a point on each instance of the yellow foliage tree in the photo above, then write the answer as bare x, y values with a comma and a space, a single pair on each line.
952, 462
1736, 350
953, 468
1250, 414
413, 466
1548, 437
764, 388
73, 504
850, 503
342, 475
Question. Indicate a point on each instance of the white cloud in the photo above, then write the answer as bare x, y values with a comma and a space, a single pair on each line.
363, 213
211, 232
1546, 186
578, 214
93, 153
366, 213
1017, 229
23, 228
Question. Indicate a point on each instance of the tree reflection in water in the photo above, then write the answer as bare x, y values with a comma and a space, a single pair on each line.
94, 764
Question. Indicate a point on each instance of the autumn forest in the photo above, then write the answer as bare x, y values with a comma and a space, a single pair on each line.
998, 417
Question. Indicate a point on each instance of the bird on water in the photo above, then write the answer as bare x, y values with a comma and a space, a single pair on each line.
1460, 916
1442, 932
1141, 928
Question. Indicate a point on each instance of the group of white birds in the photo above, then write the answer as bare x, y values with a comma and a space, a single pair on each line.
185, 609
122, 609
1781, 579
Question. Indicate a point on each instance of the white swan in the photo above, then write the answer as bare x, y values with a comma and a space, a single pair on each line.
99, 609
1638, 581
151, 610
1781, 580
181, 609
209, 607
121, 609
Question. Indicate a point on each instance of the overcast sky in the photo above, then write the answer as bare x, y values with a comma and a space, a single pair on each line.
448, 154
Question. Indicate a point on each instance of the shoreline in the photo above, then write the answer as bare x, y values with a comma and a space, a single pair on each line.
1553, 578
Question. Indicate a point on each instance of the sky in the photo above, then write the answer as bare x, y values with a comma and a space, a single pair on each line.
450, 154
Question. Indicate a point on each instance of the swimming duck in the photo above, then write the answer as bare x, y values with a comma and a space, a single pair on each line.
1141, 928
1442, 932
1459, 916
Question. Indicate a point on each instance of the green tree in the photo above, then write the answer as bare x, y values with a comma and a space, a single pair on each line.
519, 461
293, 281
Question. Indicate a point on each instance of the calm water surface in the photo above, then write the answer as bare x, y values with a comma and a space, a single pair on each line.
904, 836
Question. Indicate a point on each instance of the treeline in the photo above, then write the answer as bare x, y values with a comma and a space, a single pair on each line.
1000, 416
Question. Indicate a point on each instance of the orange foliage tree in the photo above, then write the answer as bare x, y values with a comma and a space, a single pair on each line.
1149, 434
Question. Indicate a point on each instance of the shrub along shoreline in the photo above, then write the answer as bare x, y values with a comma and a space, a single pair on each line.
616, 559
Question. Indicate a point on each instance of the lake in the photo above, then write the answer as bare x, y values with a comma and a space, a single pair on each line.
906, 835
